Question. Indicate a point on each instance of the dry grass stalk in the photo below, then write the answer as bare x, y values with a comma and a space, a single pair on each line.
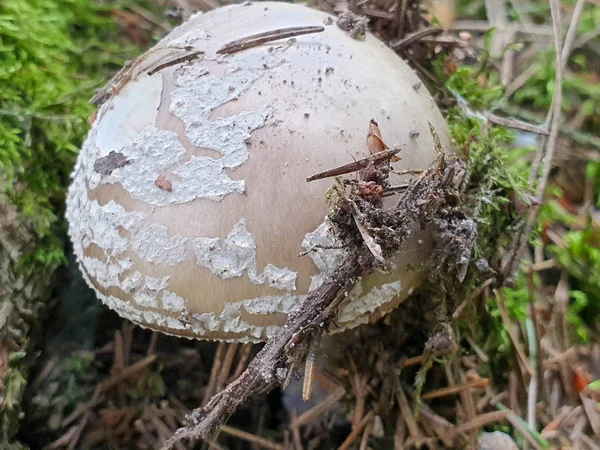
456, 389
407, 415
357, 430
251, 438
481, 420
295, 428
215, 371
319, 409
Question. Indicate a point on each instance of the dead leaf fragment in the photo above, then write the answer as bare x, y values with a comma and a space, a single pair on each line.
375, 142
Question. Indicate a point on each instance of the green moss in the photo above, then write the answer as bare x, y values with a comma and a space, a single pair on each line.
54, 54
496, 191
497, 171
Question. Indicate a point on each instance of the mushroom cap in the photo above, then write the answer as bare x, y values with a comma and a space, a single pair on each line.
189, 203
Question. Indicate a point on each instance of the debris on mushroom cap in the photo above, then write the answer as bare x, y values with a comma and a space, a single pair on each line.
189, 204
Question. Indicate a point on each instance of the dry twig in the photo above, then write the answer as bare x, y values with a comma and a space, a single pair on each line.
268, 36
416, 36
284, 351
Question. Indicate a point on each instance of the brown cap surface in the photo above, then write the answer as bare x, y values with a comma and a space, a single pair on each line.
189, 203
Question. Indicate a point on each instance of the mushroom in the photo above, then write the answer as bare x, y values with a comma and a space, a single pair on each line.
189, 203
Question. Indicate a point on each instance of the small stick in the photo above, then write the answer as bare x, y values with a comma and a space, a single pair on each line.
318, 410
103, 94
354, 166
152, 346
364, 442
357, 430
309, 369
320, 247
241, 365
309, 376
251, 438
360, 393
175, 61
79, 430
226, 366
482, 420
267, 36
517, 124
458, 388
476, 293
408, 172
394, 190
411, 361
126, 373
407, 414
119, 361
416, 36
296, 432
216, 370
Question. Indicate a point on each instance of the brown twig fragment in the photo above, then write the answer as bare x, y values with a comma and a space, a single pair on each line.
357, 430
319, 409
309, 371
262, 442
269, 367
416, 36
126, 373
174, 62
295, 429
407, 414
509, 122
407, 172
512, 333
359, 390
483, 419
354, 166
450, 390
267, 36
364, 442
242, 360
215, 372
227, 364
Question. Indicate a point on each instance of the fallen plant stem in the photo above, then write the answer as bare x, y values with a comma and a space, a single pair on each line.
450, 390
268, 36
354, 166
175, 61
260, 441
127, 372
517, 124
357, 430
268, 368
481, 420
512, 333
416, 36
319, 409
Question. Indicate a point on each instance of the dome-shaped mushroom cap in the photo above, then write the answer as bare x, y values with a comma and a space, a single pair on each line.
189, 202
